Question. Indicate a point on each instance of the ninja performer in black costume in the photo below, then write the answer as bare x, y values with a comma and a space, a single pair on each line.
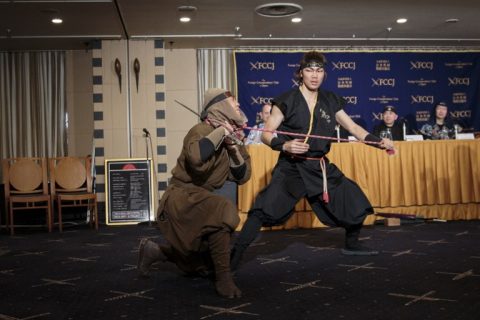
303, 170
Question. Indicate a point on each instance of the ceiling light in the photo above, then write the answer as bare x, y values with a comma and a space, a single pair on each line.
57, 20
402, 20
278, 10
452, 20
296, 20
186, 13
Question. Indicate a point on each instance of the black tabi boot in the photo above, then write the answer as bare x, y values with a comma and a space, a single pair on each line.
353, 246
148, 253
219, 245
249, 232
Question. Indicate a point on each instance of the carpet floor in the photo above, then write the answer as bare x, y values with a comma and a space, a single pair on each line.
425, 270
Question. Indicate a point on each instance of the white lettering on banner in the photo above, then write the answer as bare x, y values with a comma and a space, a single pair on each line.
377, 116
458, 65
341, 65
351, 99
421, 99
295, 83
459, 97
421, 65
383, 82
261, 100
383, 99
262, 66
263, 83
344, 82
458, 81
383, 65
422, 115
422, 82
461, 114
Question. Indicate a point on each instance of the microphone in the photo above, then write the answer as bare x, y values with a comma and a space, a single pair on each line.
146, 132
403, 120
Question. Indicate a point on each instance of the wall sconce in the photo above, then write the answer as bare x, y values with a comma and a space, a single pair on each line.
118, 71
136, 69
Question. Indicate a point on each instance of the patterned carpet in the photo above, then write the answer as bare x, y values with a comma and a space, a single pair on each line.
425, 271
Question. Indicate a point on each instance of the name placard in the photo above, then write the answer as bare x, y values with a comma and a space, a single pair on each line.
413, 137
465, 136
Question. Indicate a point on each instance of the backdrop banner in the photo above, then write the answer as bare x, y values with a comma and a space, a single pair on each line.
410, 81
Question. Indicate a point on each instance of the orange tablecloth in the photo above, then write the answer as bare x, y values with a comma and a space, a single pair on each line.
433, 179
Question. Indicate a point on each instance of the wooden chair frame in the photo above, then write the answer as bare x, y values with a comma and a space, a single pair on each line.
26, 188
71, 186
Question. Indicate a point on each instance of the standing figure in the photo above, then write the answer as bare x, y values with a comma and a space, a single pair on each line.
197, 223
303, 170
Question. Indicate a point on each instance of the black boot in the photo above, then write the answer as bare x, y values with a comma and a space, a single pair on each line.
148, 253
219, 244
353, 246
248, 234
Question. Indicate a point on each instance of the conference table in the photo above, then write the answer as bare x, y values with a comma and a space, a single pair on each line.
429, 179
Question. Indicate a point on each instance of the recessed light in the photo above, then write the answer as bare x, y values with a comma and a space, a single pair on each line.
296, 20
186, 13
402, 20
57, 20
452, 20
278, 9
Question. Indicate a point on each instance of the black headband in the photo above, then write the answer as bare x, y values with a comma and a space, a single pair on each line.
312, 64
220, 97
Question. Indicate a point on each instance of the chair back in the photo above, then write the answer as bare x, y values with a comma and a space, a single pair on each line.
70, 175
25, 176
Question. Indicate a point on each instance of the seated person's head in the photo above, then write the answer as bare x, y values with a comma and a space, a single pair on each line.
265, 113
389, 115
441, 111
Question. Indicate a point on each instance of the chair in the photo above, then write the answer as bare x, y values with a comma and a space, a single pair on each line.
26, 188
71, 186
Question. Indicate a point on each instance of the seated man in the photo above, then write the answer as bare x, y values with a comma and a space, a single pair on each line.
254, 137
390, 128
442, 126
196, 222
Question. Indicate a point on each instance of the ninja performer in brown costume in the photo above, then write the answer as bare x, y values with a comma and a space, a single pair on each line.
196, 222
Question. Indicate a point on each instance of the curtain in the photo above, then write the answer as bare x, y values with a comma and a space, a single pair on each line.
32, 104
216, 69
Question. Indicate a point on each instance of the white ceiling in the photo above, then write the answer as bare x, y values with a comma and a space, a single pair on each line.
25, 24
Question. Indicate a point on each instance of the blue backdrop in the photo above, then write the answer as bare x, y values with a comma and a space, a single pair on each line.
410, 81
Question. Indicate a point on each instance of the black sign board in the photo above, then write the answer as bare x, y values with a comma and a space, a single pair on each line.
128, 191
